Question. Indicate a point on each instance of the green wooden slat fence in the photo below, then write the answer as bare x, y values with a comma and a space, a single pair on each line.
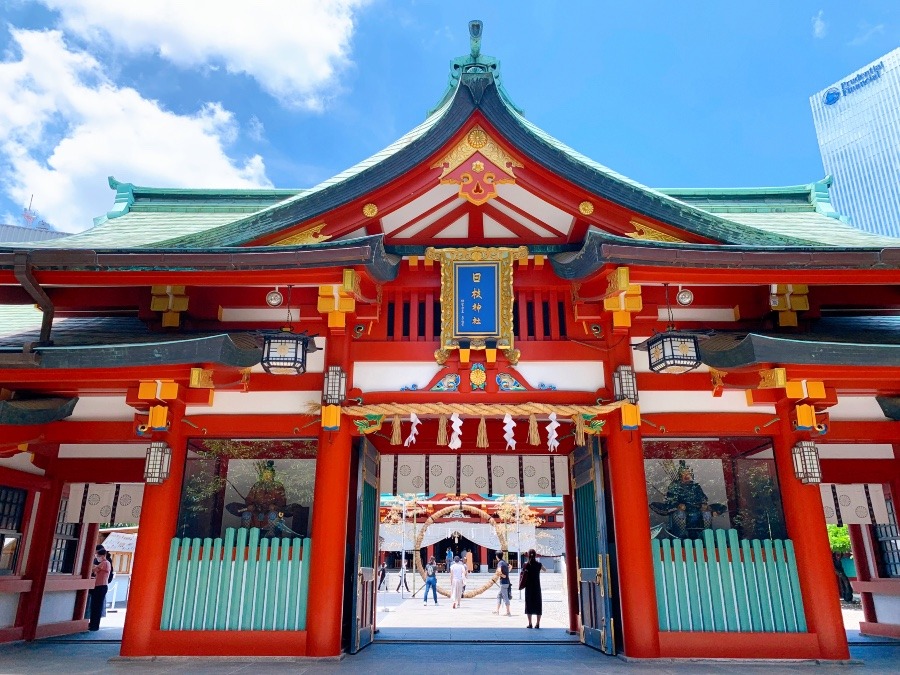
241, 583
720, 584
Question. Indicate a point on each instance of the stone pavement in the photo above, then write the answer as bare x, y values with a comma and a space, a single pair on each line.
38, 658
414, 638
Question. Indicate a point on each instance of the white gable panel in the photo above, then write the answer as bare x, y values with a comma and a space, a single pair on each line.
524, 222
564, 375
856, 408
258, 403
698, 402
855, 450
393, 375
537, 207
494, 230
456, 230
21, 462
104, 450
108, 408
429, 200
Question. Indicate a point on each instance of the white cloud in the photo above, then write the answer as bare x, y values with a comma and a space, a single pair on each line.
293, 48
256, 130
866, 31
64, 127
820, 28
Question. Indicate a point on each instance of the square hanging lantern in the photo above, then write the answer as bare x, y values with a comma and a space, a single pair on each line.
284, 352
335, 390
806, 462
158, 464
625, 384
673, 352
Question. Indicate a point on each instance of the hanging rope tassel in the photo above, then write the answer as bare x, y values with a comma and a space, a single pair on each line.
482, 439
442, 430
534, 436
579, 430
396, 431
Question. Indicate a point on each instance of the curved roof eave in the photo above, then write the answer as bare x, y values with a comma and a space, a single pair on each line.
368, 252
758, 349
600, 248
417, 146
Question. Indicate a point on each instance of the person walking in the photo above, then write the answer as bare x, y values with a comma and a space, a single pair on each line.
457, 581
402, 577
448, 560
530, 580
505, 592
431, 579
101, 585
382, 576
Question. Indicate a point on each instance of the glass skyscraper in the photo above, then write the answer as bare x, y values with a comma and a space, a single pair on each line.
858, 126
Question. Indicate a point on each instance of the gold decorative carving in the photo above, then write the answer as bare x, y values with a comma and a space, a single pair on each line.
505, 257
647, 233
477, 138
772, 379
311, 235
490, 166
370, 210
586, 208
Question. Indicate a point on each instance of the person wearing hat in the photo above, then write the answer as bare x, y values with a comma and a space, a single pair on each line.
101, 572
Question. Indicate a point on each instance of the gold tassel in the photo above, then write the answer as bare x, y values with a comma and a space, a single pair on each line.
396, 431
482, 440
534, 437
579, 430
442, 430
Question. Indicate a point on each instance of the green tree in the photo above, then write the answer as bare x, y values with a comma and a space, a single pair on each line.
839, 538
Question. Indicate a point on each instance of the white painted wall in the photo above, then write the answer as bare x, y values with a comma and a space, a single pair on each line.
564, 375
392, 375
57, 606
102, 408
257, 403
887, 608
9, 605
21, 462
121, 450
856, 408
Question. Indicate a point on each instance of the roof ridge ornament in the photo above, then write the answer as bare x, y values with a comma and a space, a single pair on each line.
475, 28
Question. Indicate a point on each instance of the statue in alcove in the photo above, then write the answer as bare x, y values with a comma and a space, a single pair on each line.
266, 507
686, 507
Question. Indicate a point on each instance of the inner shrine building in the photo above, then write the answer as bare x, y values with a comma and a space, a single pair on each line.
705, 377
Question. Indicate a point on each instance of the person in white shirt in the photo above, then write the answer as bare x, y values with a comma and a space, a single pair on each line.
457, 581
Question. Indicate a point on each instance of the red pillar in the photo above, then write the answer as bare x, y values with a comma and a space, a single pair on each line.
806, 527
329, 533
571, 561
483, 555
637, 592
329, 526
863, 569
151, 555
39, 549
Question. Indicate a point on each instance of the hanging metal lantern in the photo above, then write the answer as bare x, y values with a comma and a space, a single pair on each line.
285, 352
673, 352
335, 390
625, 384
806, 462
158, 464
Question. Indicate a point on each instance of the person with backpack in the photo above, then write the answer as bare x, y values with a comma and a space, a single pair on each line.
431, 579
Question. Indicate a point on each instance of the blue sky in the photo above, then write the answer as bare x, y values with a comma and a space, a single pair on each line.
286, 93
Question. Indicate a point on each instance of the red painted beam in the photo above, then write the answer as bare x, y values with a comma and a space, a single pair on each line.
858, 470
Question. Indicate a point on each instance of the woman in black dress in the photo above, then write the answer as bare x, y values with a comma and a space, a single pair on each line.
533, 603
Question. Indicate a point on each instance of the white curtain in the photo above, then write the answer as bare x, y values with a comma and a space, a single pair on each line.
99, 503
858, 504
